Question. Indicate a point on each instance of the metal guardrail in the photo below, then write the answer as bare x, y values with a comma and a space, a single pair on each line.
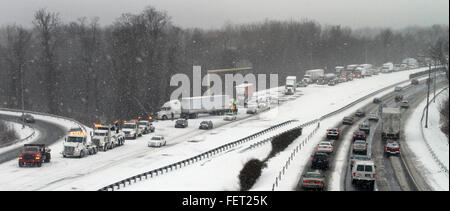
433, 154
192, 160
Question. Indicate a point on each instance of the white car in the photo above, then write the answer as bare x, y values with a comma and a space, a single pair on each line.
325, 146
157, 141
230, 117
252, 109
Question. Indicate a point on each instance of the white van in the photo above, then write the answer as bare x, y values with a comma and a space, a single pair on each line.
363, 172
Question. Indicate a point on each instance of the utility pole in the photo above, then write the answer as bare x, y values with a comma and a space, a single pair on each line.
21, 93
428, 94
434, 89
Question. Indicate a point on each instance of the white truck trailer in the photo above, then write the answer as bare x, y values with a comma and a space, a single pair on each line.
387, 67
191, 107
391, 123
312, 76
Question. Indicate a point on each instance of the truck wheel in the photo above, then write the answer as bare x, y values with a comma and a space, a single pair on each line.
20, 164
81, 154
164, 117
39, 164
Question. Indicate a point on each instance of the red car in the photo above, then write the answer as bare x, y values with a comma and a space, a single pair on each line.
34, 154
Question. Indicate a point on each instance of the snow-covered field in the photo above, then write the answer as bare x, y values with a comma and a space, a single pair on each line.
438, 141
104, 168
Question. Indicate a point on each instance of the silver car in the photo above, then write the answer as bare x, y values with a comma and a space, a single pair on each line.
230, 117
313, 180
392, 148
360, 146
325, 146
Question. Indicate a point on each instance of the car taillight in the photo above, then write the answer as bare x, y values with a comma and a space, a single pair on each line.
326, 160
373, 175
337, 133
307, 181
328, 132
318, 182
354, 135
364, 136
365, 146
313, 159
354, 174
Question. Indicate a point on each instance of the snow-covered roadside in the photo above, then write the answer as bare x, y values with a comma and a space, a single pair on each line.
27, 132
436, 178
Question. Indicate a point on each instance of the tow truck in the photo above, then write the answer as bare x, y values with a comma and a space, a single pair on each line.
131, 129
34, 154
107, 136
76, 144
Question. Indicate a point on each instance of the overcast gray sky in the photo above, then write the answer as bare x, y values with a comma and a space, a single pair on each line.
209, 14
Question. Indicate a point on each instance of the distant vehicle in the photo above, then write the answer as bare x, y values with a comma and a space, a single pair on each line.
398, 89
146, 126
157, 141
342, 79
302, 84
252, 108
387, 67
131, 129
320, 160
243, 93
404, 104
360, 147
365, 126
398, 97
325, 146
415, 81
230, 117
208, 124
75, 129
311, 76
360, 113
359, 135
357, 157
181, 123
34, 154
191, 107
313, 180
291, 85
392, 147
332, 83
391, 122
107, 136
365, 70
333, 133
376, 100
348, 120
27, 118
363, 172
373, 116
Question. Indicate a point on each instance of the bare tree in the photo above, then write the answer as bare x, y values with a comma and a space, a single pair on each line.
46, 24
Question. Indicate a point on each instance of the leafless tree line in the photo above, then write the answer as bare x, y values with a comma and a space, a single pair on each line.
102, 73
